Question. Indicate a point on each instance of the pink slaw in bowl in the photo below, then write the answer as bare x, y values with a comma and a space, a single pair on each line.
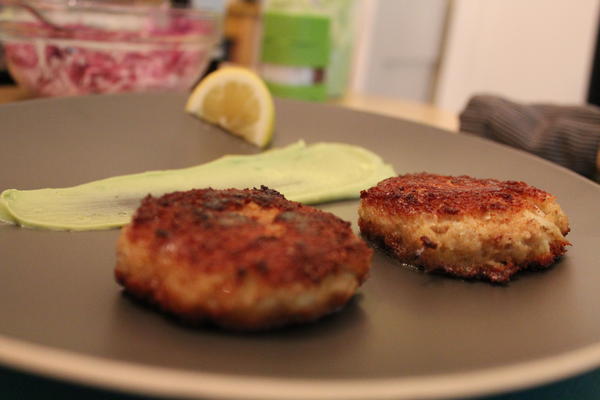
107, 49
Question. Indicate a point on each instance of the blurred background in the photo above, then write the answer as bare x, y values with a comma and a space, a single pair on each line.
444, 51
427, 51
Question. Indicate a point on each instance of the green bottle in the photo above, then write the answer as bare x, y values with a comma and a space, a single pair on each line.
307, 47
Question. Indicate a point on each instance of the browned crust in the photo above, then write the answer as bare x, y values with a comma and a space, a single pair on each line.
453, 199
283, 242
451, 195
499, 273
243, 259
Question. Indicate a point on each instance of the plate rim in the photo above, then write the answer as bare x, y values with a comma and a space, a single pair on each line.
136, 378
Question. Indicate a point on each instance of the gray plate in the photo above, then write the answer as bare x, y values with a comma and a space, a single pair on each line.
406, 335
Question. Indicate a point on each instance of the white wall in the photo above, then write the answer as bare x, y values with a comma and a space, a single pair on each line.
527, 50
398, 46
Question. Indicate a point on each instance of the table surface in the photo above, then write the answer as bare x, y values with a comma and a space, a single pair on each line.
17, 385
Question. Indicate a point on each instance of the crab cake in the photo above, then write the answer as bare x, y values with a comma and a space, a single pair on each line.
466, 227
242, 259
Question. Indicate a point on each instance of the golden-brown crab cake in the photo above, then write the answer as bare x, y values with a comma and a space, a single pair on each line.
243, 259
467, 227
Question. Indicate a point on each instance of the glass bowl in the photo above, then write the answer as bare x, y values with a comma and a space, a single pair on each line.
106, 48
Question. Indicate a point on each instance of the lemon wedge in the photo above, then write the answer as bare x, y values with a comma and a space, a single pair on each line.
237, 100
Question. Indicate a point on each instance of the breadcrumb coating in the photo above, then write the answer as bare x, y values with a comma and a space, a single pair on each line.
463, 226
242, 259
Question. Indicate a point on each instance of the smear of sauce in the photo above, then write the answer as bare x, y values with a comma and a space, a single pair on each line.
310, 174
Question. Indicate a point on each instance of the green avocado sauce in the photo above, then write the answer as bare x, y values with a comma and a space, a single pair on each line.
316, 173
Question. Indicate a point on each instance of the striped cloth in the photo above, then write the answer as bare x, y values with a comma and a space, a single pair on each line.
567, 135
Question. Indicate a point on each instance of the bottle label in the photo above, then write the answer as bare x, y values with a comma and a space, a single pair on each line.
296, 39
